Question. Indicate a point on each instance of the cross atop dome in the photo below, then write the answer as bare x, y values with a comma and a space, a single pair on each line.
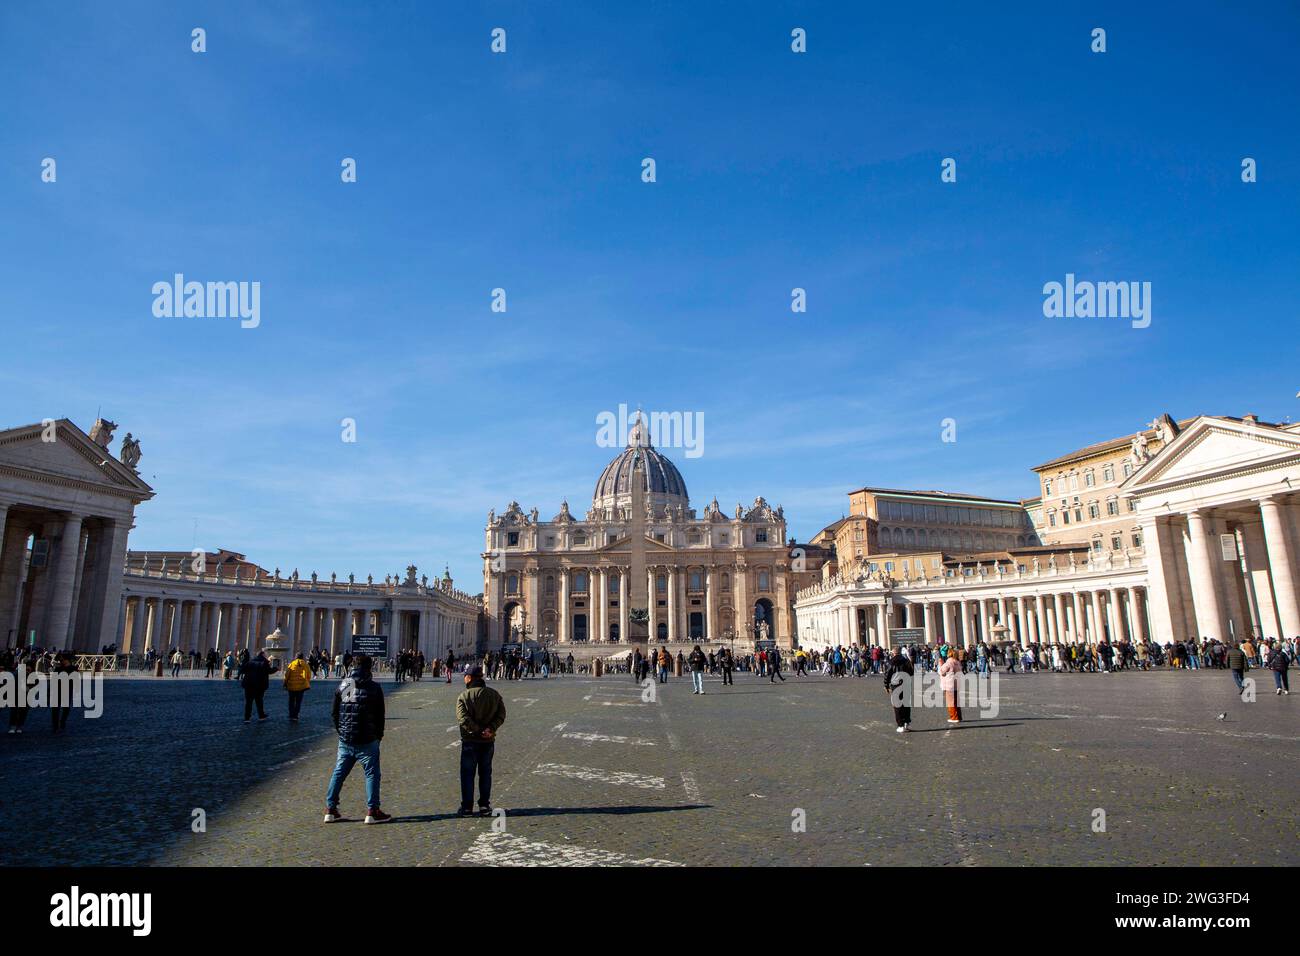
638, 436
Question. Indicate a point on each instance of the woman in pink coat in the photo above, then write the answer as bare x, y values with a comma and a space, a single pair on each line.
948, 672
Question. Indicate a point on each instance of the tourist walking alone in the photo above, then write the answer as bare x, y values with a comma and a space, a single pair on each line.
358, 712
697, 662
948, 672
480, 712
1278, 664
774, 666
255, 676
898, 684
297, 681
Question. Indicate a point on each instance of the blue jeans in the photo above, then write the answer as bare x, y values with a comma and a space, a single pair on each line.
663, 675
697, 678
1237, 679
368, 754
476, 755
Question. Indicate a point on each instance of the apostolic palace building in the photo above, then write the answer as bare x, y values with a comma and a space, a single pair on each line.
1185, 528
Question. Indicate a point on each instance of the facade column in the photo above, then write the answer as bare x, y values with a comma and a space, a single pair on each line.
1282, 567
710, 592
624, 600
602, 606
882, 626
927, 621
652, 627
1115, 611
563, 635
1205, 587
672, 604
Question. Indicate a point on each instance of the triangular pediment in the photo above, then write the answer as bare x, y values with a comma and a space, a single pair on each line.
1212, 447
62, 451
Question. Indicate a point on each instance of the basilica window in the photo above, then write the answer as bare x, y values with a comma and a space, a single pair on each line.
694, 537
512, 538
661, 583
763, 581
550, 540
726, 582
697, 581
512, 584
613, 584
580, 583
579, 539
550, 584
760, 535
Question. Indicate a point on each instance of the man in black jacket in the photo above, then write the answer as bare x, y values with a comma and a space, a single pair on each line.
255, 676
358, 712
898, 675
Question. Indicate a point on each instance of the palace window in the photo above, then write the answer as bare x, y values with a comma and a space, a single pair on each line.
889, 565
1094, 510
1128, 469
1096, 543
1132, 504
1074, 482
1116, 542
1108, 473
1112, 506
1047, 487
1089, 478
1137, 539
1051, 519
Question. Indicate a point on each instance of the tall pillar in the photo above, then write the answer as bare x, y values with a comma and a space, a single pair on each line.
1022, 626
1282, 567
174, 625
106, 588
1116, 612
927, 618
139, 626
59, 613
71, 639
1205, 586
1258, 582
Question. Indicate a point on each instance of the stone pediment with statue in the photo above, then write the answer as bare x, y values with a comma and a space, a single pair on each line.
59, 450
1214, 447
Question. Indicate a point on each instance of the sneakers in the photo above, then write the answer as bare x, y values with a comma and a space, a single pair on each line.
332, 815
375, 815
464, 811
901, 730
953, 720
485, 810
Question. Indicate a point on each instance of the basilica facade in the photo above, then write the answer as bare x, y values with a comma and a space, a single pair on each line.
641, 566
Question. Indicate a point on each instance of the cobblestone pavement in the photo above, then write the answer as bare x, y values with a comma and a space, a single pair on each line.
590, 774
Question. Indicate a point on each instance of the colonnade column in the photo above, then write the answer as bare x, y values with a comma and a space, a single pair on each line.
563, 635
672, 604
1205, 588
1282, 567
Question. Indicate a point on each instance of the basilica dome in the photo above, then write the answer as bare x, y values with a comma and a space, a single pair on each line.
662, 482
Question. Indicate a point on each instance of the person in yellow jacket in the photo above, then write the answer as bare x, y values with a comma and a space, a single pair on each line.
297, 681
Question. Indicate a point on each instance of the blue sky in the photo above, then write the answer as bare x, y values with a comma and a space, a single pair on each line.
522, 171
